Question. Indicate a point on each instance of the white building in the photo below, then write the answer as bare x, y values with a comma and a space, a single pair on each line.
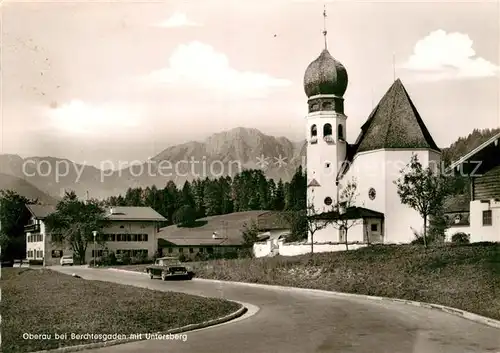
393, 132
132, 229
480, 217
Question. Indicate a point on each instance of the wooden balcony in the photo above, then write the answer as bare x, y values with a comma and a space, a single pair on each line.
32, 228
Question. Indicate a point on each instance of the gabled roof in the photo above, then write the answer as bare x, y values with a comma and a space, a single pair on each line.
456, 203
313, 183
227, 228
395, 123
475, 151
351, 213
121, 213
41, 211
272, 220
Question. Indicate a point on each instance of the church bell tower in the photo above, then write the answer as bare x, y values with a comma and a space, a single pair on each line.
325, 82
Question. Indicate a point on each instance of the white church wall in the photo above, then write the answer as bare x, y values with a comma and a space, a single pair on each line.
325, 235
369, 172
401, 220
331, 233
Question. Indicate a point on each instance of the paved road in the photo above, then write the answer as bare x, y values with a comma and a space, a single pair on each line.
294, 322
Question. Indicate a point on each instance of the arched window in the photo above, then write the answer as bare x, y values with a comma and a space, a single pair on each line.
341, 132
327, 130
314, 131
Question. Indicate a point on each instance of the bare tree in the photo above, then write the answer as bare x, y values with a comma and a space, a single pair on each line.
345, 202
314, 223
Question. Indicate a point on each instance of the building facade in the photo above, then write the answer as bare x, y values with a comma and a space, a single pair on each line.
132, 230
391, 135
481, 217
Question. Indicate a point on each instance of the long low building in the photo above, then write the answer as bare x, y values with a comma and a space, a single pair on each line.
220, 234
132, 230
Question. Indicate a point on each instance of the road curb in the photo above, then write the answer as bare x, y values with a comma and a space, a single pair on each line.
126, 271
236, 314
454, 311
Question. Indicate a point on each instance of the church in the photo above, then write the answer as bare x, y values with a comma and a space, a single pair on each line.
393, 132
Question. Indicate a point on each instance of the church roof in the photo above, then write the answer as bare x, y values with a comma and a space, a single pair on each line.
325, 75
352, 212
395, 123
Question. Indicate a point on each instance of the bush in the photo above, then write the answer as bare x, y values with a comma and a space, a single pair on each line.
126, 260
460, 238
182, 258
97, 262
110, 259
201, 257
36, 262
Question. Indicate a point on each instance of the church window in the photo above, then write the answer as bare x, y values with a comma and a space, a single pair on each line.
327, 130
341, 132
328, 201
372, 194
314, 131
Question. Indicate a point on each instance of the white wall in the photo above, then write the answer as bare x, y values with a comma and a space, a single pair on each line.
478, 232
262, 249
456, 229
368, 171
321, 153
294, 249
379, 169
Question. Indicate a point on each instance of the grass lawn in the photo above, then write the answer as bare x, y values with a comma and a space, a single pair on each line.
48, 302
465, 277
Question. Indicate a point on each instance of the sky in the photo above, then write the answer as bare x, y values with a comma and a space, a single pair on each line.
93, 81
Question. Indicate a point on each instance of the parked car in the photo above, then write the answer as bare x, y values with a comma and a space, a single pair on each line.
67, 260
168, 267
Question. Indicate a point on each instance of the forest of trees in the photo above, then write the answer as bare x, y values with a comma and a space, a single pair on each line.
247, 191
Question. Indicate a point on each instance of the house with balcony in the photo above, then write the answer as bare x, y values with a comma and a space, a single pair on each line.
131, 230
479, 213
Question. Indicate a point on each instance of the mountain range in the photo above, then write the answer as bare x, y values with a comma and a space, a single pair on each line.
221, 154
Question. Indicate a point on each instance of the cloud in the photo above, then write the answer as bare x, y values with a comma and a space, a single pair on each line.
178, 19
441, 56
198, 65
79, 117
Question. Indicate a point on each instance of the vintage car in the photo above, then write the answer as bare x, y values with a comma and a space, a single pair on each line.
66, 260
168, 267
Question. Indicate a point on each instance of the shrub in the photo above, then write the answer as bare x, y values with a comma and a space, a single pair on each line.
36, 262
109, 259
201, 257
182, 258
126, 260
460, 238
97, 262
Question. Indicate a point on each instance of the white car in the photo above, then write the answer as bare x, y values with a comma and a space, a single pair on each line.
67, 260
